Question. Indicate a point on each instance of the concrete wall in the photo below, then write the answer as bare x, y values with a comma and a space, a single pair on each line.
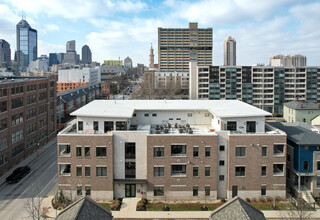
120, 138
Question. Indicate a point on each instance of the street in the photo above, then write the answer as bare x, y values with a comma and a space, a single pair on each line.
41, 179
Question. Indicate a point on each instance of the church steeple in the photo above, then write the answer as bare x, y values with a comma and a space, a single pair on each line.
151, 58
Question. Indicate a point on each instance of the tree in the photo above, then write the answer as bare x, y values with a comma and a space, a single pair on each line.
34, 208
301, 211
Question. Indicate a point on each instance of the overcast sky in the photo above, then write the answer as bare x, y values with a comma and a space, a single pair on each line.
122, 28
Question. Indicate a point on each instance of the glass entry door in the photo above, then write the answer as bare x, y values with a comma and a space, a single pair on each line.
130, 190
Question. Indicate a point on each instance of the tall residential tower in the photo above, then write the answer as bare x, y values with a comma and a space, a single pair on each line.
230, 52
177, 46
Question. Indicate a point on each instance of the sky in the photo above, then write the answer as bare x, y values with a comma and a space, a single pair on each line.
116, 29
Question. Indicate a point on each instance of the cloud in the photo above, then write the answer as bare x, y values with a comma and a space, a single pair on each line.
45, 48
227, 12
74, 9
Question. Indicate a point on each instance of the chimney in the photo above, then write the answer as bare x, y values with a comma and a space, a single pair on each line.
301, 105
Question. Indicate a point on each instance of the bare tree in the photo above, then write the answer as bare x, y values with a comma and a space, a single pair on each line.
34, 208
301, 211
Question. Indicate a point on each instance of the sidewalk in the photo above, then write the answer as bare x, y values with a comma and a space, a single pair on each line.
28, 160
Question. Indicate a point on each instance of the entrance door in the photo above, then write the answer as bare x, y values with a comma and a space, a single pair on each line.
130, 190
234, 191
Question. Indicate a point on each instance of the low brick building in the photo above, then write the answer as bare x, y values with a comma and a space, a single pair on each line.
171, 149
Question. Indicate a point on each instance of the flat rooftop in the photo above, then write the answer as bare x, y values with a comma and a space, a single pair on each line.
126, 108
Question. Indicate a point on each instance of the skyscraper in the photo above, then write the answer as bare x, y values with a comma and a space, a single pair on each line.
71, 46
177, 46
27, 44
86, 55
230, 52
5, 53
70, 57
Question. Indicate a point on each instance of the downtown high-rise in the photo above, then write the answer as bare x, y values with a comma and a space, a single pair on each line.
27, 44
230, 56
86, 55
177, 46
5, 53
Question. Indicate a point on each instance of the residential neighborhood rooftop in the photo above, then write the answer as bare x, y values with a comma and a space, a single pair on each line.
302, 105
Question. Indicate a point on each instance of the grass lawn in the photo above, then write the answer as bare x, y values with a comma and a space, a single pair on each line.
181, 207
268, 205
106, 205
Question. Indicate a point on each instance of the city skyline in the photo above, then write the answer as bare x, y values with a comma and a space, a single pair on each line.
126, 28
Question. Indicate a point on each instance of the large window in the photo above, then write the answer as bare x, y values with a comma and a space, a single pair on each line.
79, 171
16, 103
207, 171
121, 125
64, 149
78, 151
88, 190
101, 151
207, 151
130, 170
158, 190
17, 119
87, 171
263, 190
3, 159
195, 171
17, 150
3, 143
158, 171
231, 125
108, 126
130, 150
264, 152
263, 170
207, 190
178, 170
306, 165
87, 151
178, 150
195, 190
3, 124
3, 106
96, 126
251, 126
240, 171
158, 151
65, 169
101, 171
278, 150
195, 151
79, 190
278, 169
240, 151
17, 136
80, 125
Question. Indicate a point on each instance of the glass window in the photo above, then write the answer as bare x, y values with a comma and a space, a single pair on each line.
318, 165
306, 165
240, 151
79, 190
221, 162
101, 151
264, 151
207, 151
189, 114
207, 171
146, 114
158, 171
240, 171
130, 150
78, 151
158, 151
195, 171
154, 114
221, 147
87, 171
318, 181
121, 125
278, 150
263, 190
195, 190
101, 171
88, 190
79, 171
178, 150
80, 125
177, 170
158, 191
207, 190
96, 125
195, 151
87, 151
64, 149
108, 126
264, 171
221, 177
231, 125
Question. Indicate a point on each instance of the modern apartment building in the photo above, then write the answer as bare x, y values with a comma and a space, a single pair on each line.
230, 52
177, 46
27, 117
265, 87
171, 149
294, 60
303, 158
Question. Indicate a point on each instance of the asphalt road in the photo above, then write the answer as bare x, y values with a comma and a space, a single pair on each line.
37, 183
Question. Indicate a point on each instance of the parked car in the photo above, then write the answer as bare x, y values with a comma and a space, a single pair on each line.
18, 174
